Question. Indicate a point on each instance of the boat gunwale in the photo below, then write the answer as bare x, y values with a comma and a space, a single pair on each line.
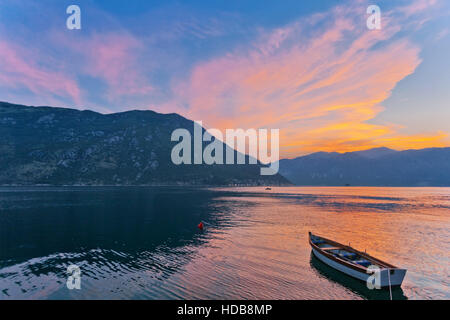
346, 263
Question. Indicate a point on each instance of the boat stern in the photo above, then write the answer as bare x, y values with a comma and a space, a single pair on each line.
392, 277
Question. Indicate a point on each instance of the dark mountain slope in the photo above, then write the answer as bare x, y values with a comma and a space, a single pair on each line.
45, 145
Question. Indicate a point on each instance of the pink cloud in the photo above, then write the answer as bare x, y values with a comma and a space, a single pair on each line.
18, 71
113, 57
319, 89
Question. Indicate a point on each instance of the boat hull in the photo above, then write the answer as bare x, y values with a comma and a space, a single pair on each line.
386, 279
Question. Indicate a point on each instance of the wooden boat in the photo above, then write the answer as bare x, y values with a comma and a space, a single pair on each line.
353, 262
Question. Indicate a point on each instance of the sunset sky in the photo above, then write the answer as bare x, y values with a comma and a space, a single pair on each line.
310, 68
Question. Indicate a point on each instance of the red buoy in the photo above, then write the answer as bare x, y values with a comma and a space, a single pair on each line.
200, 226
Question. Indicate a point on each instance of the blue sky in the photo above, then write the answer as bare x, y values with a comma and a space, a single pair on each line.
242, 64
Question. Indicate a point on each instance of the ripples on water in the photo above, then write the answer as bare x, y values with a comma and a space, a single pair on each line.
142, 243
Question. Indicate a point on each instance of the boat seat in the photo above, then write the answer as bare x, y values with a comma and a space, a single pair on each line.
348, 255
331, 248
363, 263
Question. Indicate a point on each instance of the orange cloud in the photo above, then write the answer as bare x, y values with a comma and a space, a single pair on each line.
320, 89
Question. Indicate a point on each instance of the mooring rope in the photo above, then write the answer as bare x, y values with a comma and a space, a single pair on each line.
389, 278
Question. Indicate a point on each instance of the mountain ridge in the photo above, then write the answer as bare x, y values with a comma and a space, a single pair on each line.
63, 146
371, 167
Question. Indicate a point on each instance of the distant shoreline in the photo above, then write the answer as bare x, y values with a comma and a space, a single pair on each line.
212, 186
139, 185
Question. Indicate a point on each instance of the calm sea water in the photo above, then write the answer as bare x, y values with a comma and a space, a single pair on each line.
143, 243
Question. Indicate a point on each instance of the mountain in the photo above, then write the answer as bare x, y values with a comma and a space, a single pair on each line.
58, 146
374, 167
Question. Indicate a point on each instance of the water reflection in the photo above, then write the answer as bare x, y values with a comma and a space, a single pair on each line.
110, 233
143, 242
